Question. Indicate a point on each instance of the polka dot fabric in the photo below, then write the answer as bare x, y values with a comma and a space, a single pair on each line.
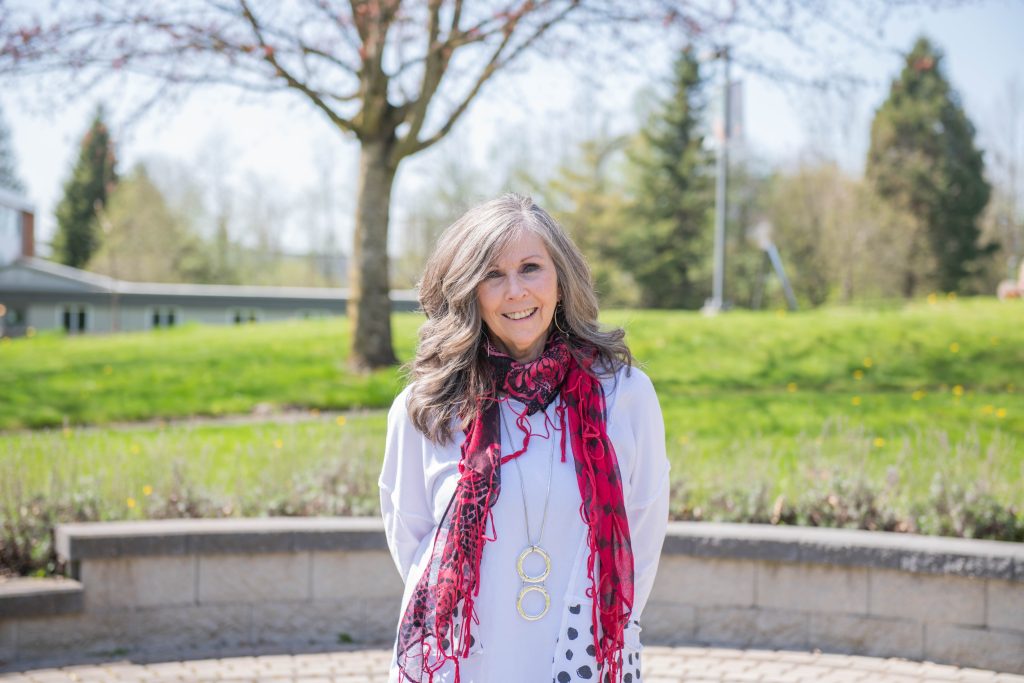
575, 659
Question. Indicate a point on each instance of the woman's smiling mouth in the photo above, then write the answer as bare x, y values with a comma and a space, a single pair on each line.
520, 315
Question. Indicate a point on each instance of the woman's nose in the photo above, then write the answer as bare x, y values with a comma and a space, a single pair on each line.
516, 287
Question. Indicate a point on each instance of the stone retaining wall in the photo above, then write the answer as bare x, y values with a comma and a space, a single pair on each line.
177, 585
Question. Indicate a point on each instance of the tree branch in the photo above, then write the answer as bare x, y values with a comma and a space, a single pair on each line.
412, 145
271, 58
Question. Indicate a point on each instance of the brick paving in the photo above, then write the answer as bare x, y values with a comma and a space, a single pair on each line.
661, 665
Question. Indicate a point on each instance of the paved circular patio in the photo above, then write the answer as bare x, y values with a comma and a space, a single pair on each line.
661, 665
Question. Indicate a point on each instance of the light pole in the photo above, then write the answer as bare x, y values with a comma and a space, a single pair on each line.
715, 304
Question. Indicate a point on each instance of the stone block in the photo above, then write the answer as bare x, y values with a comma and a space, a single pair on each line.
305, 624
8, 640
863, 635
666, 623
191, 627
85, 634
973, 646
704, 581
779, 628
726, 625
751, 627
39, 597
127, 582
1005, 604
812, 588
367, 574
380, 619
253, 578
926, 597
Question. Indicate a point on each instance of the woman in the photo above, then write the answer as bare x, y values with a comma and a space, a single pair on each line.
525, 484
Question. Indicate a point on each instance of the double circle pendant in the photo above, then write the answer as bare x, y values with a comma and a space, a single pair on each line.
530, 583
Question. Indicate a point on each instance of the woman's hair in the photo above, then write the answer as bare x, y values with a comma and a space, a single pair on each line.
450, 372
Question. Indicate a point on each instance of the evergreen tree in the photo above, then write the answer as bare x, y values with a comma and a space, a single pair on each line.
666, 244
923, 160
91, 181
585, 196
8, 162
147, 240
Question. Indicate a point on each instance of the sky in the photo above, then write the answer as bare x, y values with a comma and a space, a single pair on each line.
289, 148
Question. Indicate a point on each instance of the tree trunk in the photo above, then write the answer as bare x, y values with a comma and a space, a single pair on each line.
369, 304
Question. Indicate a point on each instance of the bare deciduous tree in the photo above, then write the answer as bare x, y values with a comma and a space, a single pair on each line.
396, 75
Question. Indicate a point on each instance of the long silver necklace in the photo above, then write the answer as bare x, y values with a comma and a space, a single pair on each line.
533, 583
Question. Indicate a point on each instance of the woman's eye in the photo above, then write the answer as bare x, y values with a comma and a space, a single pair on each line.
530, 267
492, 274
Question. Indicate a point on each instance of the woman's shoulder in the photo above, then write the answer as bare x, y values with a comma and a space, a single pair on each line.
628, 384
399, 411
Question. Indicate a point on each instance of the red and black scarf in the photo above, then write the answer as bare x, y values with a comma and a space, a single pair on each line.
437, 623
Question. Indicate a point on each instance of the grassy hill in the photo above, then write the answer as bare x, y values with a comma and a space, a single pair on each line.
909, 418
52, 380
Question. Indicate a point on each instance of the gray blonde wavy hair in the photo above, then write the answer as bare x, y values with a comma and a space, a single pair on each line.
449, 373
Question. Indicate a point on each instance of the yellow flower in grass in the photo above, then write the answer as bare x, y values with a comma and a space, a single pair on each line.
130, 502
933, 298
147, 490
954, 348
341, 420
278, 443
791, 387
858, 374
868, 362
135, 449
780, 313
988, 410
958, 391
855, 400
917, 395
1001, 413
879, 442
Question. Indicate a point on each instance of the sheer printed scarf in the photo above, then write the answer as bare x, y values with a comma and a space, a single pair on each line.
437, 624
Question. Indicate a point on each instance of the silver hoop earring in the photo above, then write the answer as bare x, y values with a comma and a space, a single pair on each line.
555, 320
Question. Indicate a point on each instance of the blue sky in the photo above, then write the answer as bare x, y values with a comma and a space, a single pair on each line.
283, 142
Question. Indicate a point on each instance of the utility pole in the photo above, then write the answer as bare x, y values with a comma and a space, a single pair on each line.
715, 304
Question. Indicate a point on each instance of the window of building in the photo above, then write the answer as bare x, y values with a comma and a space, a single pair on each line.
313, 313
13, 316
163, 316
74, 318
244, 315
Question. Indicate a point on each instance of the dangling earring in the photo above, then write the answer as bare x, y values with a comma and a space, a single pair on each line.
559, 308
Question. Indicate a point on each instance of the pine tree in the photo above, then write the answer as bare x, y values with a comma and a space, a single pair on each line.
145, 239
91, 181
923, 160
8, 162
667, 245
585, 196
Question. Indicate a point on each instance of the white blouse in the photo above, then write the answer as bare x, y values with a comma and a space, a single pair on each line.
419, 477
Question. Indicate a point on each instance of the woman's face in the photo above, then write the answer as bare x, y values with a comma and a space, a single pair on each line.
517, 297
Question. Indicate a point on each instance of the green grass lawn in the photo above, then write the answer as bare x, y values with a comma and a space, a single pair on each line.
833, 415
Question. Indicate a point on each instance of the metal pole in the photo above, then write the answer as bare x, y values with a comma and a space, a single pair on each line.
721, 186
